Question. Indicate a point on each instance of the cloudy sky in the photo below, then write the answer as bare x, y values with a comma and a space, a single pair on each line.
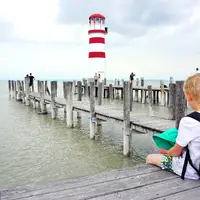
154, 38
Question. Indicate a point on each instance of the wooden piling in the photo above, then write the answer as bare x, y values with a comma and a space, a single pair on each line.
180, 102
79, 98
68, 86
42, 102
54, 109
150, 99
9, 88
111, 93
92, 111
46, 88
131, 96
162, 95
105, 81
126, 120
137, 82
142, 82
18, 91
27, 91
100, 91
79, 87
23, 93
74, 87
15, 89
172, 101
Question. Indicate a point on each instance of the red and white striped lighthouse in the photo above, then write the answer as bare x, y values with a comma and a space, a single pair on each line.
97, 55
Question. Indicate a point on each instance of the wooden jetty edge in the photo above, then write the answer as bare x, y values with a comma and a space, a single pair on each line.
96, 111
144, 182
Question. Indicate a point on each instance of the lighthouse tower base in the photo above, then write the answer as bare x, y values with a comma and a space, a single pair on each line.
97, 66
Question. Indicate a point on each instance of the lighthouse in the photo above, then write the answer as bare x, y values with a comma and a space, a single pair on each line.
97, 56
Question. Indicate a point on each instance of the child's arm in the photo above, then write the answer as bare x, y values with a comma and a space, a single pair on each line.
176, 150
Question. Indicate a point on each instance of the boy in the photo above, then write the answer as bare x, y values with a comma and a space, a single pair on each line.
177, 158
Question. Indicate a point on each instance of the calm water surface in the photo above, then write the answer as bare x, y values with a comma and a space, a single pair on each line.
36, 149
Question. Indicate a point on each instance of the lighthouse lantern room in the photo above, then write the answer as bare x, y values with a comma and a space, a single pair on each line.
97, 55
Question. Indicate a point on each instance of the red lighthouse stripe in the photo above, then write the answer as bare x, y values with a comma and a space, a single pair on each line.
97, 54
97, 31
97, 40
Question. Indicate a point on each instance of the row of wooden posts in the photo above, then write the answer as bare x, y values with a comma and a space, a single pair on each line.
21, 91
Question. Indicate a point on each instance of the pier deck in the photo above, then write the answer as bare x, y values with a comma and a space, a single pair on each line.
143, 182
139, 122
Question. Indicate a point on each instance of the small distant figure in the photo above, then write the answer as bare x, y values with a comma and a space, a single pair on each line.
31, 79
132, 77
197, 70
99, 77
95, 79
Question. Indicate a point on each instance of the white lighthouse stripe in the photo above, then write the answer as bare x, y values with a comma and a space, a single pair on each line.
96, 65
96, 47
96, 35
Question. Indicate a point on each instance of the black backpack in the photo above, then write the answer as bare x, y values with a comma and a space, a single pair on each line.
196, 116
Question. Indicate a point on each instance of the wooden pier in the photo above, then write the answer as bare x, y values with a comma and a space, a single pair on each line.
144, 182
96, 111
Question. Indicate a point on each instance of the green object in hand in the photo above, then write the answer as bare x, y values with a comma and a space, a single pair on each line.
167, 139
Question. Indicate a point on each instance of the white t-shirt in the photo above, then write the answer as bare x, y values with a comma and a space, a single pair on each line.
188, 134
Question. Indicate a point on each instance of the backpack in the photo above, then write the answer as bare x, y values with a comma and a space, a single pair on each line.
196, 116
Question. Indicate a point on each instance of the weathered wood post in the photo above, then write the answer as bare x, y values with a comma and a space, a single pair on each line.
162, 95
54, 109
150, 100
18, 91
137, 82
38, 89
136, 90
46, 90
69, 103
79, 88
131, 96
74, 87
23, 93
111, 93
13, 89
105, 81
42, 102
92, 111
117, 90
142, 90
142, 82
126, 120
86, 89
180, 102
100, 91
9, 88
27, 91
172, 101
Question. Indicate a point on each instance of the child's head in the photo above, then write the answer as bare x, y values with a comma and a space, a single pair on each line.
192, 90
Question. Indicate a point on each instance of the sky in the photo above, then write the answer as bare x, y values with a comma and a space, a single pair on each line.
155, 39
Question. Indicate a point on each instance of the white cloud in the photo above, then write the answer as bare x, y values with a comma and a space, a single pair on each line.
49, 38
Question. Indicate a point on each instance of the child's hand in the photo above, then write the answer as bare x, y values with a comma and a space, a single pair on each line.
163, 151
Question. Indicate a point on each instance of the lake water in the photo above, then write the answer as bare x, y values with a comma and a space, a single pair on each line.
36, 149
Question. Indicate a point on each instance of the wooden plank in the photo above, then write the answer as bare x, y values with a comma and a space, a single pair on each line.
33, 189
103, 188
154, 191
192, 194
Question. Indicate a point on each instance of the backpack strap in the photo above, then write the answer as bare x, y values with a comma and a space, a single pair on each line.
196, 116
